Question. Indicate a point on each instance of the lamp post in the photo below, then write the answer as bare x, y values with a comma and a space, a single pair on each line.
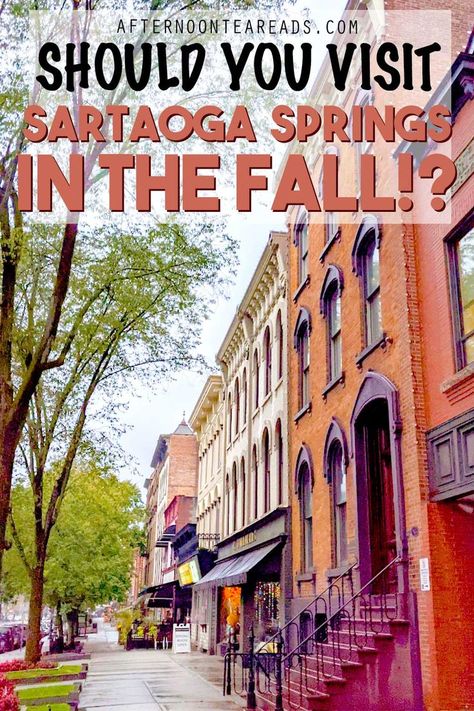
251, 697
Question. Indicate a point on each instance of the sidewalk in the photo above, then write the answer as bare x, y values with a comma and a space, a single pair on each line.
149, 680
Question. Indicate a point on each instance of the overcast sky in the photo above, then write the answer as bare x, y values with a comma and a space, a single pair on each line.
151, 413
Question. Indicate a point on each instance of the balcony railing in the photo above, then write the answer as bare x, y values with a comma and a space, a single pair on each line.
208, 540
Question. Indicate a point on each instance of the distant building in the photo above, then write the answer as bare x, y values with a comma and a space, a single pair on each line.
174, 478
207, 420
254, 525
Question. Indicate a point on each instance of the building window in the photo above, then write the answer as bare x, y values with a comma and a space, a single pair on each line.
255, 481
366, 264
237, 405
362, 147
267, 349
337, 478
302, 332
280, 344
462, 253
302, 243
331, 223
234, 497
279, 450
243, 488
331, 226
256, 379
227, 505
330, 306
229, 418
244, 397
305, 496
371, 278
266, 471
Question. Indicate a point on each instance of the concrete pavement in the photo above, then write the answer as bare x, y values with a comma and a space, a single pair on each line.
149, 680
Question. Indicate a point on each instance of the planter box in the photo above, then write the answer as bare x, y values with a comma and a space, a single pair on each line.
66, 657
48, 678
71, 698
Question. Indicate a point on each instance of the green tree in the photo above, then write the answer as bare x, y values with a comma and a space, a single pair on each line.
90, 551
135, 306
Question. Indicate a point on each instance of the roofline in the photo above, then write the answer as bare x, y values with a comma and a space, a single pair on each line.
270, 248
154, 459
214, 380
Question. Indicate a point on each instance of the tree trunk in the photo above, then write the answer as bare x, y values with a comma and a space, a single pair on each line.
33, 643
59, 624
7, 454
73, 626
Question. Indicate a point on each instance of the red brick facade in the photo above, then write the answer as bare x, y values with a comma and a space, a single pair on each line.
416, 357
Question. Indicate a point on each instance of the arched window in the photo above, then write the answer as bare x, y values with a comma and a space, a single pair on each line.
255, 481
226, 505
244, 397
337, 477
237, 405
304, 481
279, 451
331, 221
364, 98
256, 379
330, 306
267, 349
266, 470
234, 497
301, 241
229, 418
243, 490
302, 332
280, 345
366, 264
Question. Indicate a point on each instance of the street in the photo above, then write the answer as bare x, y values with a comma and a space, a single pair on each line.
148, 680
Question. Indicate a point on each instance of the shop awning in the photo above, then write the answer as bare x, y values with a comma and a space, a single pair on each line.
233, 571
162, 595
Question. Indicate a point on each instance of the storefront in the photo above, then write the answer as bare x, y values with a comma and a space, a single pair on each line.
246, 587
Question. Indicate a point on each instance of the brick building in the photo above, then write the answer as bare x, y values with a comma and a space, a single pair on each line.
376, 413
171, 492
445, 384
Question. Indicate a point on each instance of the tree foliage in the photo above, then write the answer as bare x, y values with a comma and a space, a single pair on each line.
91, 547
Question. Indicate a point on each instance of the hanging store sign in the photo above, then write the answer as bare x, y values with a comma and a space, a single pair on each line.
189, 572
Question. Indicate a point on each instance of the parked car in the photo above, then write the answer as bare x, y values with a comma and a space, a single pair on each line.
6, 639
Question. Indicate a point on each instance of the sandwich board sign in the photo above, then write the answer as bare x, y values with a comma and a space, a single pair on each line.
181, 639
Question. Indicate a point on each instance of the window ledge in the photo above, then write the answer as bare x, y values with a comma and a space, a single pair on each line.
332, 384
255, 412
460, 385
336, 572
329, 244
301, 288
278, 384
306, 408
305, 577
381, 342
244, 427
266, 398
236, 437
